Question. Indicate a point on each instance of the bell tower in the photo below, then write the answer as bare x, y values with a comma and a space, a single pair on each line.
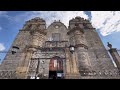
77, 39
36, 28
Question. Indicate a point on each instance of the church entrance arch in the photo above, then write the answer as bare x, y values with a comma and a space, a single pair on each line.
56, 68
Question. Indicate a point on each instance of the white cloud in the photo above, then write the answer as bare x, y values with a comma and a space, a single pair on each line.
50, 16
2, 47
106, 21
3, 13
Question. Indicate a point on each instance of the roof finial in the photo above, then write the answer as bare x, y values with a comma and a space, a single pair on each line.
109, 45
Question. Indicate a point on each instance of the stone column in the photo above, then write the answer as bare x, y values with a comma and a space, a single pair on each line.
82, 53
75, 71
36, 41
71, 65
115, 56
22, 70
68, 67
82, 61
75, 67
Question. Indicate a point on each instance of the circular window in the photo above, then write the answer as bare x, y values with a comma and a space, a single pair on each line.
56, 26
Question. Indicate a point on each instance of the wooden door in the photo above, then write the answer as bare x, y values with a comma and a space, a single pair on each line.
56, 64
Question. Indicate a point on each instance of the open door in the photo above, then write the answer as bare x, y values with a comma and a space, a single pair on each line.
56, 68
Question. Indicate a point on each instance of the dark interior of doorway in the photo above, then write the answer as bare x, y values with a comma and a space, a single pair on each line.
53, 75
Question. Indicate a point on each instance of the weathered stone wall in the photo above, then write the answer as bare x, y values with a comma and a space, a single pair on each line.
57, 27
49, 54
89, 52
44, 59
99, 58
12, 61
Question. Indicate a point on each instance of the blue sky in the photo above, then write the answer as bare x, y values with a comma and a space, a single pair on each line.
107, 24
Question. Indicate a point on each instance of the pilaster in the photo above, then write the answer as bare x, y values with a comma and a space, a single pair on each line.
115, 56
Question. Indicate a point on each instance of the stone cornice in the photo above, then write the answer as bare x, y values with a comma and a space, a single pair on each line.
81, 45
113, 50
24, 30
39, 31
74, 29
36, 19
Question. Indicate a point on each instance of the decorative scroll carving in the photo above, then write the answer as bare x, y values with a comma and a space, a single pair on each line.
48, 54
75, 29
100, 73
84, 65
33, 66
56, 43
39, 31
81, 45
7, 74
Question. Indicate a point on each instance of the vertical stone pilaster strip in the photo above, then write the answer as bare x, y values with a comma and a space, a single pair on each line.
115, 56
68, 68
75, 66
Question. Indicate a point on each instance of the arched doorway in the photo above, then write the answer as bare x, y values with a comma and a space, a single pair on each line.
56, 68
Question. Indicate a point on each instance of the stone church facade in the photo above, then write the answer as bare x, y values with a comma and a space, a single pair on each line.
73, 52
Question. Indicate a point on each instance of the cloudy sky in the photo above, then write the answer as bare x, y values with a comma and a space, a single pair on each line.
107, 24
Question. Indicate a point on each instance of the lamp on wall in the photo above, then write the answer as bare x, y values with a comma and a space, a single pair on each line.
14, 49
72, 48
